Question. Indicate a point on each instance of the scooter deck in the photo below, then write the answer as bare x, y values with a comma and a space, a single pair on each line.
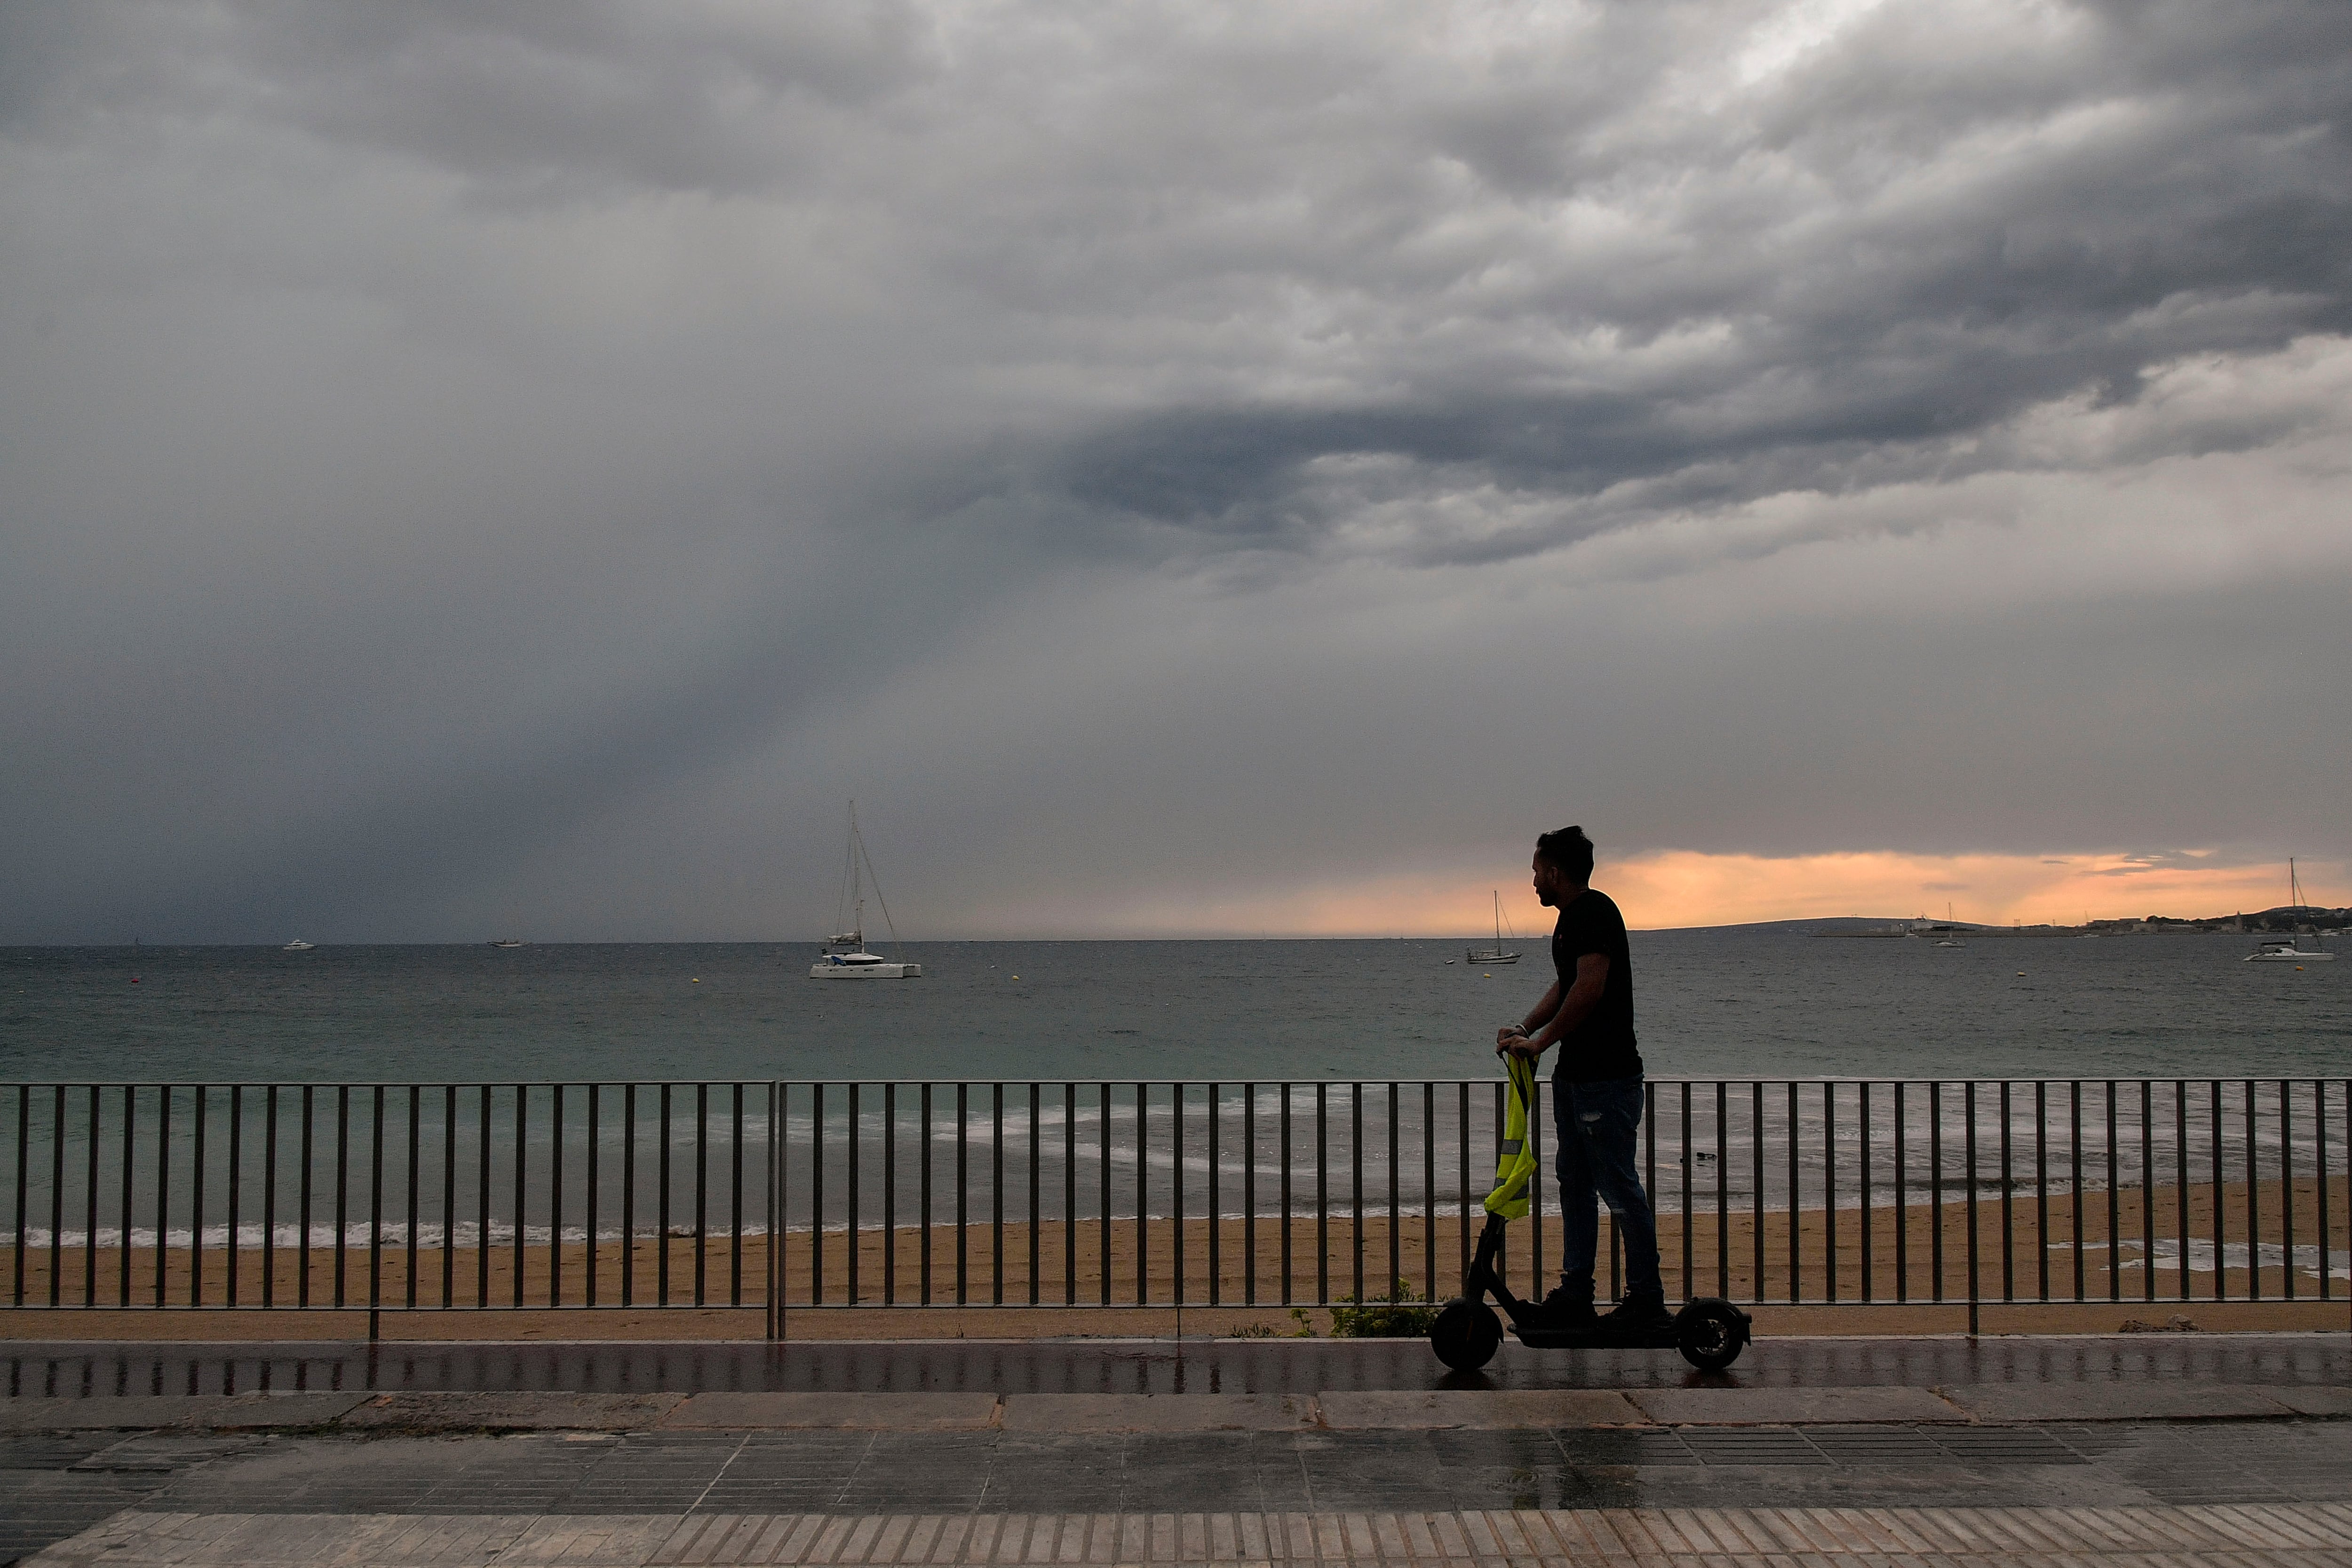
1661, 1338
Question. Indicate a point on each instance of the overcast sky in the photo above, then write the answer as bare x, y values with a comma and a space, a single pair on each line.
1185, 469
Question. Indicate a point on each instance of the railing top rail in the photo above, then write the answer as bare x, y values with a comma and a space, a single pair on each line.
1304, 1081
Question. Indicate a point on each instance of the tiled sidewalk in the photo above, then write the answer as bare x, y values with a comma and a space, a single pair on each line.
2258, 1536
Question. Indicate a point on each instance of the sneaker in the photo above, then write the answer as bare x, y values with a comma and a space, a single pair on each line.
1569, 1307
1638, 1315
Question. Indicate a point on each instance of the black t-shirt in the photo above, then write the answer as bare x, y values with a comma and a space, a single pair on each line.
1601, 1048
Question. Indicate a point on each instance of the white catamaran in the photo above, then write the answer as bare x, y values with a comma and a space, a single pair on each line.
2287, 952
844, 955
1496, 953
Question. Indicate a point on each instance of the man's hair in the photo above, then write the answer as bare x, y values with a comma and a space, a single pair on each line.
1568, 851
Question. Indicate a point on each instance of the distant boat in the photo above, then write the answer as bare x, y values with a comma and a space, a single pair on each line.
842, 954
508, 942
297, 945
1495, 954
2277, 952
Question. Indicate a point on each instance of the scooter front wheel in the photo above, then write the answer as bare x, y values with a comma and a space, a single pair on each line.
1711, 1332
1465, 1335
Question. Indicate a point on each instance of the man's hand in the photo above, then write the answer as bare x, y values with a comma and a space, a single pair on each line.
1512, 1039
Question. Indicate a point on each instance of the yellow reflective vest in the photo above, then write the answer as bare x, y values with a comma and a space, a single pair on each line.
1514, 1166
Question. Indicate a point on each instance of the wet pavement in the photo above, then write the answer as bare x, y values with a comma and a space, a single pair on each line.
519, 1450
1148, 1366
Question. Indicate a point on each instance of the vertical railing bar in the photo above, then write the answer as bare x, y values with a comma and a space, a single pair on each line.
2319, 1159
1036, 1224
1722, 1190
2148, 1187
58, 1197
342, 1192
521, 1186
162, 1184
555, 1195
24, 1190
2221, 1227
816, 1193
2041, 1188
1216, 1196
890, 1194
376, 1197
923, 1180
1429, 1188
130, 1165
1828, 1189
1462, 1198
1975, 1289
1322, 1193
1069, 1194
774, 1214
2007, 1194
482, 1222
1396, 1213
1249, 1195
856, 1137
415, 1194
1756, 1197
2253, 1206
1102, 1171
1176, 1189
1690, 1167
1935, 1185
448, 1194
735, 1197
1142, 1200
269, 1196
1862, 1116
1285, 1194
2074, 1182
201, 1094
702, 1192
996, 1195
2180, 1176
591, 1196
963, 1190
2115, 1200
1795, 1208
661, 1198
236, 1192
629, 1199
304, 1190
2286, 1190
1356, 1182
1902, 1200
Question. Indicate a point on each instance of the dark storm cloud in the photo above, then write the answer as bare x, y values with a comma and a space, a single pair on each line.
452, 451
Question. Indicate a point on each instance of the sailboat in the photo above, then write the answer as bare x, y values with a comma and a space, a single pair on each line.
1495, 954
2286, 951
844, 955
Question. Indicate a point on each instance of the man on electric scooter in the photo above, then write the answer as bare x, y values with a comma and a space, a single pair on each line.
1596, 1094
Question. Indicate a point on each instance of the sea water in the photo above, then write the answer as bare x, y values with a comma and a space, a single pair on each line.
1317, 1029
1743, 1002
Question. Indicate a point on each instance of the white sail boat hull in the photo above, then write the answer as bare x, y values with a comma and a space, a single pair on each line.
846, 966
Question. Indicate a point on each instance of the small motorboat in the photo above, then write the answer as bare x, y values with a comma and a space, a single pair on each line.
297, 945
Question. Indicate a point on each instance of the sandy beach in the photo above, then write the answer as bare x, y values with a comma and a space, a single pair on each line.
1238, 1278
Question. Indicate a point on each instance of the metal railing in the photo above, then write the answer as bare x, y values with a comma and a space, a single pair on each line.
1252, 1197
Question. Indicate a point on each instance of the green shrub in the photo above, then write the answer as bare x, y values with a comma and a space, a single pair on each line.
1401, 1314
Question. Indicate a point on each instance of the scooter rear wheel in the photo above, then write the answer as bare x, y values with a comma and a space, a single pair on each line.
1710, 1332
1465, 1335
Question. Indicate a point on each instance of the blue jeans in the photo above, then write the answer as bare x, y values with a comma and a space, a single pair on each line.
1594, 1124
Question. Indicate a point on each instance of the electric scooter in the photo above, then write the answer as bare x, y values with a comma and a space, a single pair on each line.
1710, 1331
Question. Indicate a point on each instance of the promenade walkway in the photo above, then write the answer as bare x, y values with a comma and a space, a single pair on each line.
2151, 1452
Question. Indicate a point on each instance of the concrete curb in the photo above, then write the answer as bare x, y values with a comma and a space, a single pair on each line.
1399, 1410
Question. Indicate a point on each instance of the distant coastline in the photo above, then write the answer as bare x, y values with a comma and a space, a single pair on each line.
2285, 920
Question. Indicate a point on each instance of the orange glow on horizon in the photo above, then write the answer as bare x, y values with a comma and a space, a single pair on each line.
1674, 887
